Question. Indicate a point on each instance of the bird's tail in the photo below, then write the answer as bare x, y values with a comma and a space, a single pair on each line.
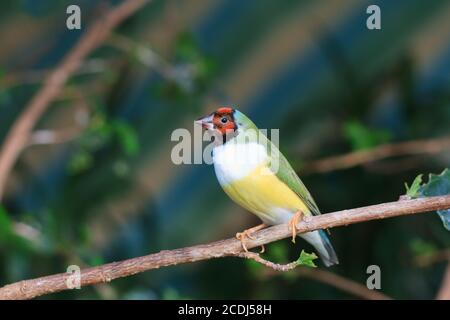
322, 244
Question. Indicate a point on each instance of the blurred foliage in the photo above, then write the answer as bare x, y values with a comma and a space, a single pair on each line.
309, 68
421, 247
193, 71
362, 137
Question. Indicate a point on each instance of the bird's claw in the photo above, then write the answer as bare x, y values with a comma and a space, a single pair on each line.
263, 249
241, 236
292, 225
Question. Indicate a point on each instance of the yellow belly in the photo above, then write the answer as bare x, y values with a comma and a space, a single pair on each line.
262, 193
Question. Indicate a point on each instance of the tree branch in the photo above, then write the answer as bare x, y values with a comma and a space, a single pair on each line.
444, 291
91, 66
45, 137
343, 284
231, 247
18, 136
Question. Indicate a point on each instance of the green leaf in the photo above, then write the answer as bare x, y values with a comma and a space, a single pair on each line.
8, 235
362, 137
80, 162
127, 137
421, 247
306, 259
413, 191
205, 66
438, 185
5, 224
97, 260
186, 47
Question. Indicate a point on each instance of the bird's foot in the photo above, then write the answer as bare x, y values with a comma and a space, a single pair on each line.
293, 224
263, 249
242, 236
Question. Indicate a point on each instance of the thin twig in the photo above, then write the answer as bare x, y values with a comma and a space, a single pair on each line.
275, 266
18, 136
353, 159
28, 289
427, 259
91, 66
343, 283
181, 74
444, 291
45, 137
27, 231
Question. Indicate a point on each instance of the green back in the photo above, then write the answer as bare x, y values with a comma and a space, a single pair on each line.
285, 172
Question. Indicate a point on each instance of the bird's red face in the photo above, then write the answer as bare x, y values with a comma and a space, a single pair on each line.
221, 121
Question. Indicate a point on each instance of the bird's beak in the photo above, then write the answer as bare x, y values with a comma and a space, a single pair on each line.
206, 122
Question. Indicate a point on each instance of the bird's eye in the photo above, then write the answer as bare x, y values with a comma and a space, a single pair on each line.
224, 120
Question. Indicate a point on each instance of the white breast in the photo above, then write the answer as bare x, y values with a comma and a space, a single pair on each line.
233, 160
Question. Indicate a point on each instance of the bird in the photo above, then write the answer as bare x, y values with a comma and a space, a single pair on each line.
255, 174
